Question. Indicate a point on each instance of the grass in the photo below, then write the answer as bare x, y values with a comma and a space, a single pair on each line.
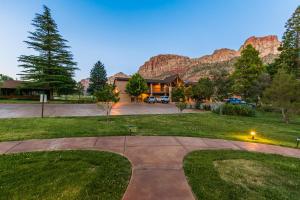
268, 126
63, 175
242, 175
57, 101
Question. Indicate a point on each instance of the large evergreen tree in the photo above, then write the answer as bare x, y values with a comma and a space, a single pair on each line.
52, 66
98, 78
247, 70
289, 58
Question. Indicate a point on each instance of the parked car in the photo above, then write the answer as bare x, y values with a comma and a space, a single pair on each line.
151, 99
235, 101
164, 99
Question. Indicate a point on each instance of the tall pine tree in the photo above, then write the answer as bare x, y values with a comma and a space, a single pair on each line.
52, 67
289, 58
98, 78
247, 70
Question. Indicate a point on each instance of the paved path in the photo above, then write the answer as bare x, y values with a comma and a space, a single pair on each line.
62, 110
157, 171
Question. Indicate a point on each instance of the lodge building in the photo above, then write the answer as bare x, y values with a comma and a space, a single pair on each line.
156, 87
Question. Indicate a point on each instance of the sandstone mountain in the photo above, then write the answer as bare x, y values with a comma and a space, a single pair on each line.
192, 69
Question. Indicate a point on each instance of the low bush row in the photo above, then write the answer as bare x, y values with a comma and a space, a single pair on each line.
230, 109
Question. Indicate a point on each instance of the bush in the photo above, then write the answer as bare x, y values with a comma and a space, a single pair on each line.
181, 105
198, 105
202, 106
268, 108
230, 109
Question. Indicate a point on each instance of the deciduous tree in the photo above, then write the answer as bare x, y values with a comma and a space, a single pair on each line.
204, 89
106, 97
284, 94
136, 85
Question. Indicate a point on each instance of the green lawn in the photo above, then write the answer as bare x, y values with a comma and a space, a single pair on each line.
57, 101
269, 127
64, 175
242, 175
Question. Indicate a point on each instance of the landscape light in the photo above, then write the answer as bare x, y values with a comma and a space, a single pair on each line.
253, 133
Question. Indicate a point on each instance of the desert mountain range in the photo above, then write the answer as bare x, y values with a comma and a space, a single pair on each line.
192, 69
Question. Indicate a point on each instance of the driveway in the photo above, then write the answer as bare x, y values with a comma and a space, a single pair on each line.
63, 110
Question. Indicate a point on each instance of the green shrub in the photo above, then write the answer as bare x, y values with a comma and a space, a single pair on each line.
202, 106
230, 109
181, 105
268, 108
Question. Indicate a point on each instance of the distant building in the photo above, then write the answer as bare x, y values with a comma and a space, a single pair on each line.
12, 89
85, 83
157, 87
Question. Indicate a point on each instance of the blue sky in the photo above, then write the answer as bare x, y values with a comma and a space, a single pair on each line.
123, 34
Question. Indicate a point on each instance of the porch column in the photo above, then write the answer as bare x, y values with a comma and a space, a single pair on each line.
151, 91
170, 93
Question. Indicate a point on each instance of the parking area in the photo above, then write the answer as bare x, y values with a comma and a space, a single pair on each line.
63, 110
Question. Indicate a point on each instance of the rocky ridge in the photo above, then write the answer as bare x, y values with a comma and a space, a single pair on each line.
192, 69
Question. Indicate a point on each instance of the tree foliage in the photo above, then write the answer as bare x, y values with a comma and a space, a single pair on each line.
79, 89
98, 77
136, 85
106, 97
204, 89
284, 94
247, 70
178, 94
52, 66
222, 84
4, 78
289, 58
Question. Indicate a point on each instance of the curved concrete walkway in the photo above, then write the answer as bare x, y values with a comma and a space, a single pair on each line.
157, 171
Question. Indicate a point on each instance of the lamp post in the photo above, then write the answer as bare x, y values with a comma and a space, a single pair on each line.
252, 133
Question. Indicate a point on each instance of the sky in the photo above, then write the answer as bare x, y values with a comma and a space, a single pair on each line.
123, 34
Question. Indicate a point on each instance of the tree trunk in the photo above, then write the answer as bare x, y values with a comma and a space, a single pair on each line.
284, 115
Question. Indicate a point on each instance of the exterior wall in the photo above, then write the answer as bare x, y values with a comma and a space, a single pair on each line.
85, 83
121, 88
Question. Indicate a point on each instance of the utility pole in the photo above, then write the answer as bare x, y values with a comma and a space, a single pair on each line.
43, 102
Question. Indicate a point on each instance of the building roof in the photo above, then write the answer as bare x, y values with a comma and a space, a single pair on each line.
168, 79
11, 84
14, 84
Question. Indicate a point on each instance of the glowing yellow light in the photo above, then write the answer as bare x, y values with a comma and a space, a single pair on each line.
253, 133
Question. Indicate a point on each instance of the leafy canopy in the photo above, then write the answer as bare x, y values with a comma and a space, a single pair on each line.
204, 89
136, 85
4, 78
178, 94
284, 94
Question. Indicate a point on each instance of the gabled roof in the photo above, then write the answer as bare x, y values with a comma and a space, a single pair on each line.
11, 84
171, 78
168, 79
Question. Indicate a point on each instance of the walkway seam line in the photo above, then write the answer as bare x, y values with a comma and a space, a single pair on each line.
124, 146
96, 141
12, 147
177, 140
